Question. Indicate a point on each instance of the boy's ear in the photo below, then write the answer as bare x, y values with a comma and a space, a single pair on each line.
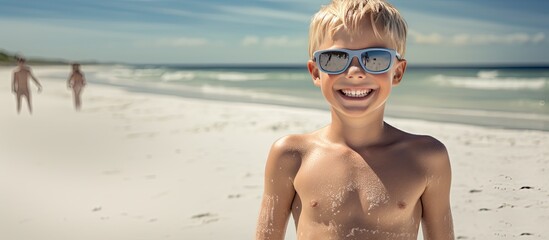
315, 74
399, 71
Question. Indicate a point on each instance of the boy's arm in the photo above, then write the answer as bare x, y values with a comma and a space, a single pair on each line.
282, 165
437, 215
13, 84
69, 81
35, 81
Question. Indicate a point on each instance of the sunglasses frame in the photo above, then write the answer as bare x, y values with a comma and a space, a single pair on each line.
356, 53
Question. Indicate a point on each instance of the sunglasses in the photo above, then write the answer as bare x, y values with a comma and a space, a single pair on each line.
372, 60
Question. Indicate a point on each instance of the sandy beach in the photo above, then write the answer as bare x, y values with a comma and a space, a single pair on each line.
148, 166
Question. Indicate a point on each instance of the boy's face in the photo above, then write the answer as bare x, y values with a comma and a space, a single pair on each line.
356, 92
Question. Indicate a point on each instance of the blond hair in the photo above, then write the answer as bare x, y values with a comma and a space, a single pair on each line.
351, 14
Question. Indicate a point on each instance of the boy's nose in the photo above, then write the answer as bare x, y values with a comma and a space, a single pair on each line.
355, 70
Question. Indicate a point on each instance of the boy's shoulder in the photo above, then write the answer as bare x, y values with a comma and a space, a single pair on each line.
426, 150
287, 153
21, 69
293, 142
421, 142
295, 145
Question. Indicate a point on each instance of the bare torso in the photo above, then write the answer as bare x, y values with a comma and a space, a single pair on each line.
366, 194
21, 76
77, 80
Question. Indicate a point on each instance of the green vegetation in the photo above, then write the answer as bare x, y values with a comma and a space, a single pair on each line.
7, 58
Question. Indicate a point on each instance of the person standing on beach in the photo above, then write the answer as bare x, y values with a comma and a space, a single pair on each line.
76, 82
358, 177
20, 83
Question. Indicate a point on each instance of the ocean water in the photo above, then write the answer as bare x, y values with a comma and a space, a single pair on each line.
507, 97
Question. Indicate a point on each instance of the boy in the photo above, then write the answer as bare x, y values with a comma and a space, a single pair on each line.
76, 82
358, 177
20, 83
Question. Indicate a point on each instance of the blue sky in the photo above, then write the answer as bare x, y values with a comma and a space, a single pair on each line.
262, 31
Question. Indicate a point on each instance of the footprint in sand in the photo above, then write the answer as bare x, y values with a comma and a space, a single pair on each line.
205, 217
231, 196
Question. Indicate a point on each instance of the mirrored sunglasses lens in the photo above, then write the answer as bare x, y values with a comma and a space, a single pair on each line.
376, 60
333, 61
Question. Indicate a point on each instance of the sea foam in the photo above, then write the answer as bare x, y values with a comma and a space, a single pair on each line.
490, 80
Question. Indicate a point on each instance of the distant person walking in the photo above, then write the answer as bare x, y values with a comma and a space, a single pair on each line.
20, 84
76, 82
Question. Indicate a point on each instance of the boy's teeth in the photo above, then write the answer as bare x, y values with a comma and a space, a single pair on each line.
356, 93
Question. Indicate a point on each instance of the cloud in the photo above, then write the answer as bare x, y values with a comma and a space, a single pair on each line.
258, 12
250, 41
477, 39
278, 41
225, 15
433, 38
182, 42
173, 12
282, 41
539, 37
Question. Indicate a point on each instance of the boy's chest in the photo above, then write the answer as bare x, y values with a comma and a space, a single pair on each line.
350, 184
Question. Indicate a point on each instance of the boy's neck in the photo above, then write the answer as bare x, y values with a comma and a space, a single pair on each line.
358, 132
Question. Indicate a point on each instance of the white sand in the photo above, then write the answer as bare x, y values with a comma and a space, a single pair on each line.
145, 166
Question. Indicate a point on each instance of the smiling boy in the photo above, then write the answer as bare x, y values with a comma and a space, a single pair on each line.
358, 177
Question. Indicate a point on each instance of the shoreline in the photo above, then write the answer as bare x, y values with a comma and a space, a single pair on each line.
483, 118
493, 119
